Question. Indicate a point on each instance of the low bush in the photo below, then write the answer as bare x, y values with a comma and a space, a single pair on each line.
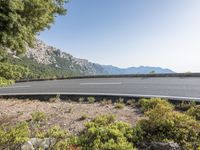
38, 117
5, 82
81, 99
194, 111
120, 100
119, 105
106, 102
104, 133
148, 104
13, 137
162, 124
55, 99
184, 105
91, 100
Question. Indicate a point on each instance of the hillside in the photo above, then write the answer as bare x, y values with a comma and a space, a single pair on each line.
47, 61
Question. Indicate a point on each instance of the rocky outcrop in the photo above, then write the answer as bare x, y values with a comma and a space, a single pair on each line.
36, 143
49, 55
160, 146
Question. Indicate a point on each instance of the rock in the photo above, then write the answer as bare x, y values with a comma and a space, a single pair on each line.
160, 146
27, 146
36, 143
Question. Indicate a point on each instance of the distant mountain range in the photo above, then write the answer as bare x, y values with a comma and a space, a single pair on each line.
135, 70
46, 61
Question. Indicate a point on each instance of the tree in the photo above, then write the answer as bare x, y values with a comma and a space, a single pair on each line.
22, 20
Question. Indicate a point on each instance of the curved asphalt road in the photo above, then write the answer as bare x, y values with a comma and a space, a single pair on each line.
187, 88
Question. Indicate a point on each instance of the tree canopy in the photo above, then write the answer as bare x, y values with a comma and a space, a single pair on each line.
22, 20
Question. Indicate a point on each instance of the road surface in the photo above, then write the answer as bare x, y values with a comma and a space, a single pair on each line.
187, 88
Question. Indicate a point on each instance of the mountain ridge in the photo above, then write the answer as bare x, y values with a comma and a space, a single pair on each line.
50, 59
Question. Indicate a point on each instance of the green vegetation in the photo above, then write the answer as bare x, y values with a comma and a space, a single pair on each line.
21, 21
91, 100
38, 117
81, 99
161, 123
25, 20
9, 73
12, 138
148, 104
106, 102
164, 124
194, 111
5, 82
103, 133
41, 71
119, 105
184, 105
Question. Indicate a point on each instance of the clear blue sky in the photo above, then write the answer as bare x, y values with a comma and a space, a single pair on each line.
126, 33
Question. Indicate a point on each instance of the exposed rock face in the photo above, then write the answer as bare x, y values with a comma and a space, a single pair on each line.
36, 143
49, 55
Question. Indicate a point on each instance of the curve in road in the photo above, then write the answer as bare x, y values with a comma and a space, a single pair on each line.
187, 88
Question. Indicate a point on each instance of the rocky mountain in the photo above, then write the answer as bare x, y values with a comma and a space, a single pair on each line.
47, 61
48, 55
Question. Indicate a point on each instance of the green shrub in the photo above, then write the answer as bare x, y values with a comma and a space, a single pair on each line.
184, 105
104, 133
120, 100
4, 82
91, 100
106, 102
119, 105
14, 72
13, 137
38, 117
162, 124
147, 104
81, 99
194, 111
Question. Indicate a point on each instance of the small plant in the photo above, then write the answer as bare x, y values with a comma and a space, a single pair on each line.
131, 102
120, 100
38, 117
55, 99
81, 99
84, 117
70, 110
91, 100
119, 105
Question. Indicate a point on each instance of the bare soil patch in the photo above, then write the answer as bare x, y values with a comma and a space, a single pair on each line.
66, 114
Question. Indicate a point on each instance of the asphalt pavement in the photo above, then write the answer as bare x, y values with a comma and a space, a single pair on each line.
187, 88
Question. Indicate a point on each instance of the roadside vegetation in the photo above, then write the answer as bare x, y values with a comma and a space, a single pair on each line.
19, 30
160, 121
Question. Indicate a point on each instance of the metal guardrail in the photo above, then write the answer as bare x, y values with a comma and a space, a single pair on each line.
182, 75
